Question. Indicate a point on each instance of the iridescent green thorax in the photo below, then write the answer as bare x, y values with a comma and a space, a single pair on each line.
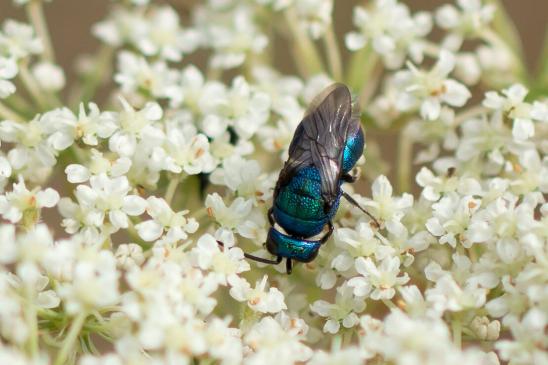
299, 206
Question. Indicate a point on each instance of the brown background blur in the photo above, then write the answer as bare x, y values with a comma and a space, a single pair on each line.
70, 22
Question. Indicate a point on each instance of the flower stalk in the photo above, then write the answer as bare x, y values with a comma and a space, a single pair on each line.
67, 347
35, 12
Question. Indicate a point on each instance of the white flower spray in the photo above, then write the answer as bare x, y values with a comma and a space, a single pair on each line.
112, 210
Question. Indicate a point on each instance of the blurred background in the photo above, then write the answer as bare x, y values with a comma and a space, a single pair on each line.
70, 22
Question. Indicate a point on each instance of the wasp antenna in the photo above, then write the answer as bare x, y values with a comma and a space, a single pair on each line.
357, 205
256, 258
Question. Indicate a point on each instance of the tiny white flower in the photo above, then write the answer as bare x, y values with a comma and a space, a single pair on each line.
109, 197
357, 242
66, 127
164, 36
245, 108
8, 70
18, 40
485, 329
99, 164
94, 281
383, 278
135, 126
391, 30
468, 21
229, 217
343, 311
50, 76
512, 103
272, 344
384, 206
164, 220
136, 75
427, 90
184, 150
128, 255
231, 34
314, 15
244, 177
258, 298
223, 263
540, 111
451, 220
21, 203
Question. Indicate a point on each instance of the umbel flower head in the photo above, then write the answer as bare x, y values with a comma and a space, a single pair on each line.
136, 189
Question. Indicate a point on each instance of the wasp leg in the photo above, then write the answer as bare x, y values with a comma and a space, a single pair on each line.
351, 178
257, 258
288, 266
357, 205
328, 234
271, 217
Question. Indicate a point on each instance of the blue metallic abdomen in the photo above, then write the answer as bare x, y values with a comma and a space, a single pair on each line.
353, 150
283, 245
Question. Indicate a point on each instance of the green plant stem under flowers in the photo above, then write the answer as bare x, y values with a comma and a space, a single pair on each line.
8, 113
307, 56
495, 39
333, 53
68, 344
336, 342
32, 86
360, 66
172, 187
93, 79
369, 88
35, 13
456, 327
32, 320
389, 304
404, 161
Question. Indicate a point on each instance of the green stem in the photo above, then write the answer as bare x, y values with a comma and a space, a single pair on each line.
370, 86
71, 338
336, 343
7, 113
307, 58
389, 304
494, 39
361, 64
200, 214
333, 53
469, 113
347, 338
35, 13
32, 322
95, 78
456, 327
171, 188
405, 151
32, 86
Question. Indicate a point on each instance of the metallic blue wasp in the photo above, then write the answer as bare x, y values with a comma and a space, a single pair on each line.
325, 147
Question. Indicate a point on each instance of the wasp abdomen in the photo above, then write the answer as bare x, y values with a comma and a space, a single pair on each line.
283, 245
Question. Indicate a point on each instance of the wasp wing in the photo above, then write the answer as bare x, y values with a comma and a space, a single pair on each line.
320, 138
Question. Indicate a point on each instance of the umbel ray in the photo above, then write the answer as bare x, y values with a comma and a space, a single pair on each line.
325, 147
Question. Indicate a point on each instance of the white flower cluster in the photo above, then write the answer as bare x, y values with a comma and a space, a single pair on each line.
127, 220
